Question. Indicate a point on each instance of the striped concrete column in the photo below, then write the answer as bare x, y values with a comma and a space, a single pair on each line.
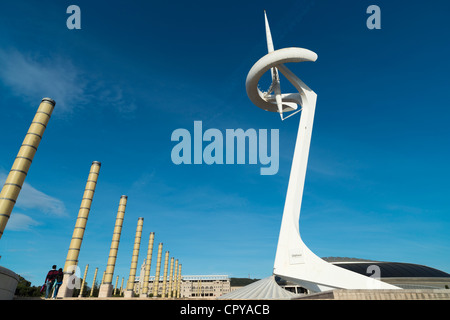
166, 264
134, 258
106, 288
93, 282
22, 163
179, 281
115, 287
158, 270
169, 294
121, 286
173, 293
84, 281
148, 264
80, 227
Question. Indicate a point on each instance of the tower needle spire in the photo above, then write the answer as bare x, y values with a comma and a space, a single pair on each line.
268, 34
274, 71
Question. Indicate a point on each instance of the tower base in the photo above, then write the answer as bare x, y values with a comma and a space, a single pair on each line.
64, 291
128, 294
105, 291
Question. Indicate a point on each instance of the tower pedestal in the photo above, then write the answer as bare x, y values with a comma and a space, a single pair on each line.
66, 290
128, 294
105, 290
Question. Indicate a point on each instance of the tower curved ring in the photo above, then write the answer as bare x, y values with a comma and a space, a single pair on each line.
277, 59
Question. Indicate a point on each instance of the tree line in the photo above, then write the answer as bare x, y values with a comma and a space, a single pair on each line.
25, 289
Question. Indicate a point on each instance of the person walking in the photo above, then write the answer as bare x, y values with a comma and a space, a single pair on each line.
58, 282
50, 280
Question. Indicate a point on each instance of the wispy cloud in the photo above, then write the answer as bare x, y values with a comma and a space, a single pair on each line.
20, 222
31, 198
33, 77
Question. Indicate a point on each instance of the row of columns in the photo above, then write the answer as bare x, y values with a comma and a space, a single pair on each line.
174, 276
13, 186
106, 288
144, 291
172, 290
114, 292
83, 283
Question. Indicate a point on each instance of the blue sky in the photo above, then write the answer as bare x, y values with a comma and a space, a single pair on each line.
377, 181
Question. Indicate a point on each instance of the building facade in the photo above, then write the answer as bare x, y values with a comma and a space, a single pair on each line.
190, 286
205, 286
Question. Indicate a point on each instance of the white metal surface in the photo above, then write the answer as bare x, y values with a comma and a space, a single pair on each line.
294, 261
263, 289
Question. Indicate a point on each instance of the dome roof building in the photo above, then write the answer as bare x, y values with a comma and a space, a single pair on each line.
403, 275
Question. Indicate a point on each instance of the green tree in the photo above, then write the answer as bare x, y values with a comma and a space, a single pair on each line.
24, 289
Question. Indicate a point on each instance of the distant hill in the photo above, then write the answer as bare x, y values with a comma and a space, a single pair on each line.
241, 282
